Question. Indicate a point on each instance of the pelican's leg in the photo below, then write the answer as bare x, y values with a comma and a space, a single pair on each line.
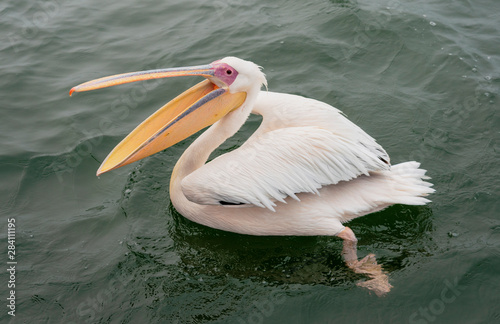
368, 265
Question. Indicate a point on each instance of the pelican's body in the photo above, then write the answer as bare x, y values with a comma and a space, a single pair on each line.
305, 171
292, 125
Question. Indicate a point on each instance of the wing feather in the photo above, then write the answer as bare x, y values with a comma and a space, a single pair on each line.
276, 164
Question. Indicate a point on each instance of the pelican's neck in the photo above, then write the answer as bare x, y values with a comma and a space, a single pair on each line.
197, 153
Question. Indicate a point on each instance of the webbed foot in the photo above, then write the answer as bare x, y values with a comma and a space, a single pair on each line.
379, 282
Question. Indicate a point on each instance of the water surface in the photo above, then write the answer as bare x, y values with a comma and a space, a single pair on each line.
421, 77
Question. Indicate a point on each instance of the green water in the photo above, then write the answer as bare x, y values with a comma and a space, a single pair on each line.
421, 77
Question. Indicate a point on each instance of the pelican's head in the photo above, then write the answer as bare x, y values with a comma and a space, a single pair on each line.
229, 82
237, 74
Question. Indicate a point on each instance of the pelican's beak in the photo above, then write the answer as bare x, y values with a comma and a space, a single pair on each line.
191, 111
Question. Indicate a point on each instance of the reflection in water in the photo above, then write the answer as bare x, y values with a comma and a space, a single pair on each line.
393, 235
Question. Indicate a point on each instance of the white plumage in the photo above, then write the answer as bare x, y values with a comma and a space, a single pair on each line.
281, 160
305, 171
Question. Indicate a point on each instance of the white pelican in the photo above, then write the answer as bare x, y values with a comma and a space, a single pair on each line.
305, 171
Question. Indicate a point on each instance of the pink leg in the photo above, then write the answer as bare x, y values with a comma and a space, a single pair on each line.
379, 282
350, 250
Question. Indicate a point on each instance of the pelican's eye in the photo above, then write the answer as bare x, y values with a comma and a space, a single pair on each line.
224, 72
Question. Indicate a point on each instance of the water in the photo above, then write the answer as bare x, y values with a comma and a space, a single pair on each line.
421, 77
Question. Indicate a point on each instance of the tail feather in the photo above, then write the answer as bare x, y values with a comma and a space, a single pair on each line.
403, 184
408, 185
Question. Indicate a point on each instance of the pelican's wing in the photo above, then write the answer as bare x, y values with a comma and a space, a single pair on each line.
283, 162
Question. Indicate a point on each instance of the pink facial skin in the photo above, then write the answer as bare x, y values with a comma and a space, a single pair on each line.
224, 72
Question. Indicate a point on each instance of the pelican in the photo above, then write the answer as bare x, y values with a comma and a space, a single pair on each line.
307, 169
